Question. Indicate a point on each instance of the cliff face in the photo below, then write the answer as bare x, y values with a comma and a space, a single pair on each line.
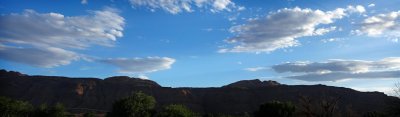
242, 96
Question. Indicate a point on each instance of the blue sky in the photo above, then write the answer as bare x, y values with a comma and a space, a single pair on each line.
206, 43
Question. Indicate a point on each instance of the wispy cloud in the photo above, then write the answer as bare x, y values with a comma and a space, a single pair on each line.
84, 1
254, 69
342, 69
381, 25
282, 29
140, 65
50, 38
178, 6
40, 57
371, 5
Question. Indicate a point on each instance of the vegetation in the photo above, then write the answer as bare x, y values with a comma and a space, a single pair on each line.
396, 89
16, 108
142, 105
394, 108
176, 110
136, 105
326, 107
89, 114
55, 111
275, 109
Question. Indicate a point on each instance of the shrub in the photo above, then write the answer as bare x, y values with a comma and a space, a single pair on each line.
136, 105
14, 108
275, 109
176, 110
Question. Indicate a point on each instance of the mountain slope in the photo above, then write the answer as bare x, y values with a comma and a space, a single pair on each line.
235, 98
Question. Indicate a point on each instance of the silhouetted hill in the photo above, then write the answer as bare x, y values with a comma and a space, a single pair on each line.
256, 83
238, 97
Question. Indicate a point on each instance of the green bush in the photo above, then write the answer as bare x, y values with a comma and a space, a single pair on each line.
176, 110
275, 109
136, 105
14, 108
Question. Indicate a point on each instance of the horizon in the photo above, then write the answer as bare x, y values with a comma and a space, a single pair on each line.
203, 87
206, 43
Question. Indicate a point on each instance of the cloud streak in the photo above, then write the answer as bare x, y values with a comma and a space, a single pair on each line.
335, 76
178, 6
254, 69
140, 65
40, 57
338, 69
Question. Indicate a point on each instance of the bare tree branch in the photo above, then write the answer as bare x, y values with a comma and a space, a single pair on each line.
396, 89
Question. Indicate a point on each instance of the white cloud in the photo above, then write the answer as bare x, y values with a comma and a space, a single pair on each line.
41, 57
386, 89
54, 29
337, 69
241, 8
84, 1
178, 6
354, 66
142, 76
220, 5
371, 5
336, 76
283, 28
52, 35
382, 25
254, 69
356, 9
140, 65
331, 40
322, 31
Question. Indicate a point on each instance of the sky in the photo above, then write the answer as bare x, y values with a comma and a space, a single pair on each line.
206, 43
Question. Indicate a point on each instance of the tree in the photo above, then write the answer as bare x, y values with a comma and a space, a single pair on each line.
176, 110
394, 106
136, 105
14, 108
396, 89
324, 107
17, 108
275, 109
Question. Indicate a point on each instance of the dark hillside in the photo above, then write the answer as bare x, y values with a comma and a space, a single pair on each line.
235, 98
